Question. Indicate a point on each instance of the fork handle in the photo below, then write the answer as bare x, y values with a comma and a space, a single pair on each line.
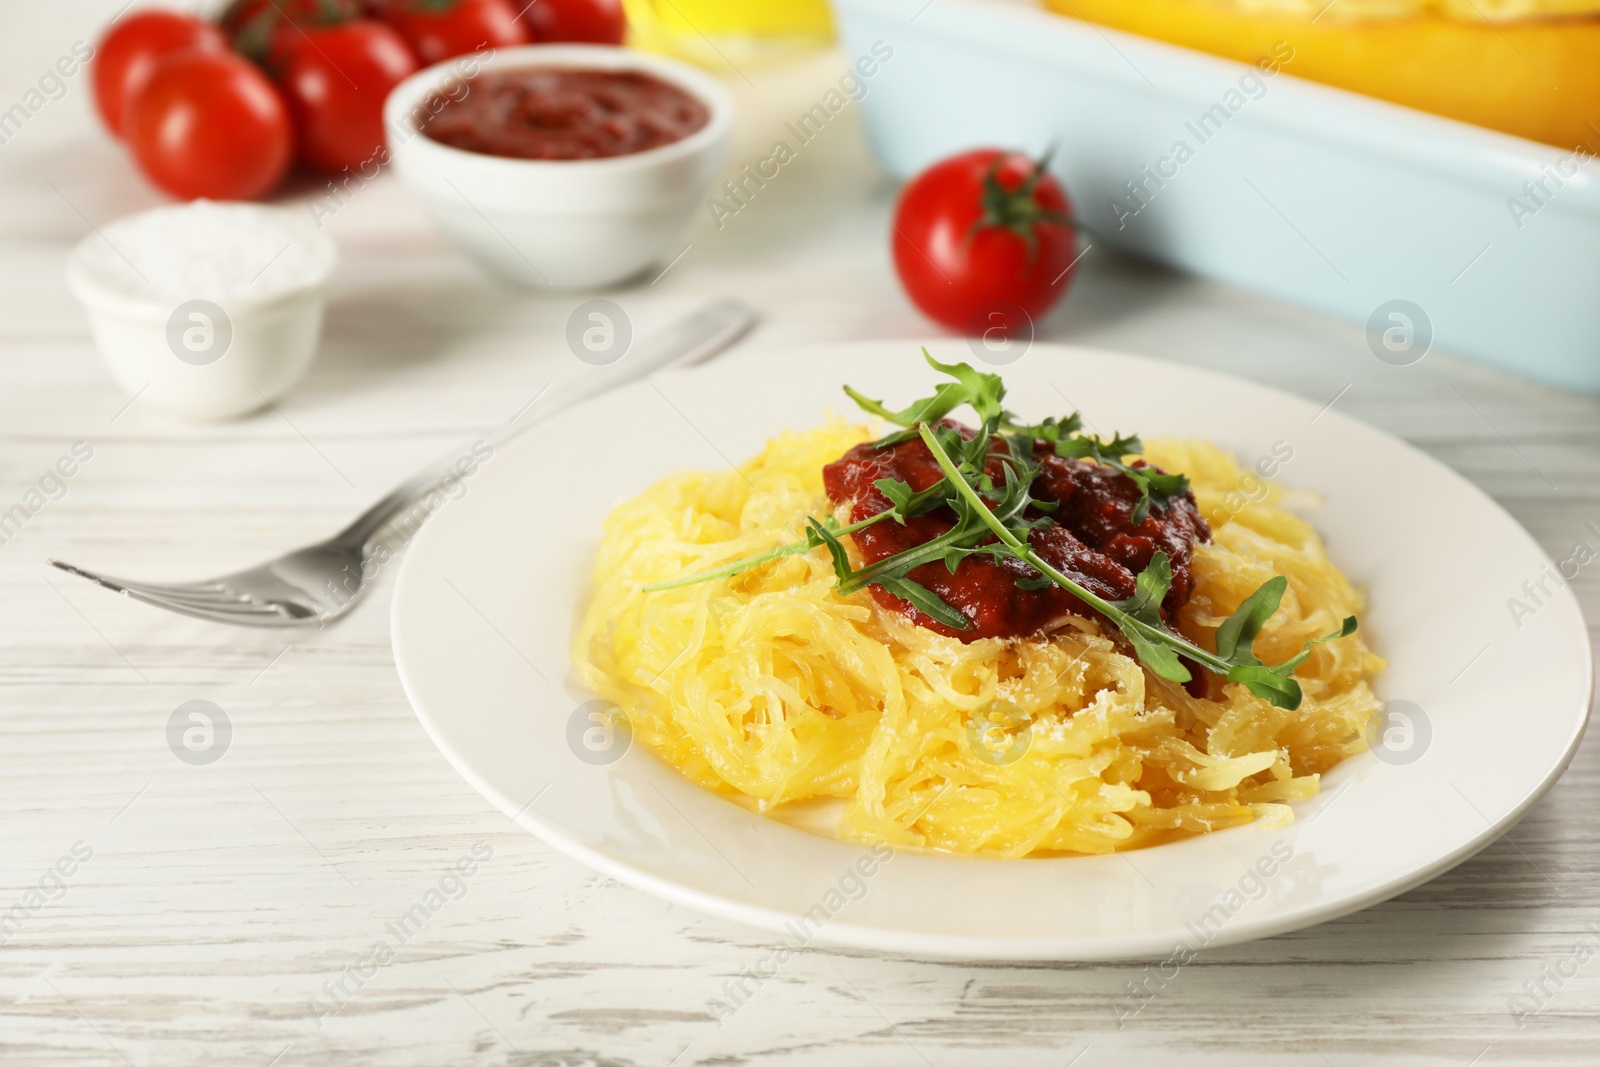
691, 339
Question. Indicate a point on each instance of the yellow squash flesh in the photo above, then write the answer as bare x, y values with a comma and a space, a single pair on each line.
1536, 77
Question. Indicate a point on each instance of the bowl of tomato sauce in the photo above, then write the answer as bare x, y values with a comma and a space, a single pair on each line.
562, 166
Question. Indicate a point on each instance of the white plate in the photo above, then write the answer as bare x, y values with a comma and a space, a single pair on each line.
492, 588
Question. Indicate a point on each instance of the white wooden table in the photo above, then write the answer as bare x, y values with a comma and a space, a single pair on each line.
219, 903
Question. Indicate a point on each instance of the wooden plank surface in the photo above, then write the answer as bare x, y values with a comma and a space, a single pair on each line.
223, 911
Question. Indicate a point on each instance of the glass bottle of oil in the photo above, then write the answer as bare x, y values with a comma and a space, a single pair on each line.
729, 33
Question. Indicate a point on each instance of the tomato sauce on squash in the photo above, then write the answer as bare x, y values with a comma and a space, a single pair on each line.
1094, 540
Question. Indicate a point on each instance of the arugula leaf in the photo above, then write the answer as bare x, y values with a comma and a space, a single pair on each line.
1051, 429
982, 392
1152, 651
1268, 683
903, 563
1244, 624
920, 596
956, 553
926, 601
818, 534
909, 504
794, 548
1236, 638
1088, 446
1163, 486
1150, 590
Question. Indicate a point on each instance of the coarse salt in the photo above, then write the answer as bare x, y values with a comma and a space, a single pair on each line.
209, 250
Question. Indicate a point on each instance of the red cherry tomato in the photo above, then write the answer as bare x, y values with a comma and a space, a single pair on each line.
439, 29
335, 82
267, 30
581, 21
984, 241
212, 125
129, 50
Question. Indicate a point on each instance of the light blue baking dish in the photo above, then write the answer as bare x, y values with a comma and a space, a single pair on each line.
1372, 212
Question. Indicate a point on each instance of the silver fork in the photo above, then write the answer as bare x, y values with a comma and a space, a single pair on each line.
319, 583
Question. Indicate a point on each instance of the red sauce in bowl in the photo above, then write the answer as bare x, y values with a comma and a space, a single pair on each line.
564, 113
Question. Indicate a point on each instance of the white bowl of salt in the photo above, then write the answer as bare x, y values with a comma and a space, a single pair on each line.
205, 311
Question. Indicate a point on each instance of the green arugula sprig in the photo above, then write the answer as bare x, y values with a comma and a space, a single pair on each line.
984, 393
828, 527
996, 517
981, 392
1139, 617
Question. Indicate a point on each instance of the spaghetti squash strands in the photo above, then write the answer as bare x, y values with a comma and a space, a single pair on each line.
771, 685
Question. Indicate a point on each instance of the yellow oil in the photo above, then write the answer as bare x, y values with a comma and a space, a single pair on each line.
724, 34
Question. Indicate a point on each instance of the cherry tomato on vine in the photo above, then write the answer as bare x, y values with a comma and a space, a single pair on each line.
439, 29
578, 21
267, 30
210, 124
984, 241
129, 50
335, 83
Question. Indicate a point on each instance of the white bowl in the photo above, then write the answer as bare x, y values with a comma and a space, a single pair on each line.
562, 223
215, 355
